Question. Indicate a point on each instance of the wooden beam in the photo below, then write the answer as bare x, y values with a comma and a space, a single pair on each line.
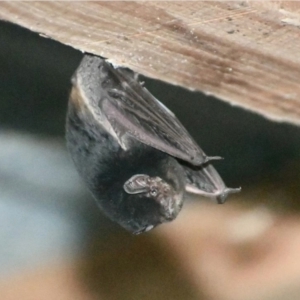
247, 53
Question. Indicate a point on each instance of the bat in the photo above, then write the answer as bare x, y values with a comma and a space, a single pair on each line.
134, 155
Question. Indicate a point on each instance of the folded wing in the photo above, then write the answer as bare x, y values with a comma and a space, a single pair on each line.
131, 109
206, 181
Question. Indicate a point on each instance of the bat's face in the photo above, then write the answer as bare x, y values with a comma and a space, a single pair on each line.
167, 200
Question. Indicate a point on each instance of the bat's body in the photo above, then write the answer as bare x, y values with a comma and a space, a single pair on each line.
125, 145
106, 174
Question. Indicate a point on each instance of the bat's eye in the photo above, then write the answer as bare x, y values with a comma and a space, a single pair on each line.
153, 192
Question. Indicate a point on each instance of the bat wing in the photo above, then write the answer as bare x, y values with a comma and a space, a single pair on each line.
131, 109
206, 181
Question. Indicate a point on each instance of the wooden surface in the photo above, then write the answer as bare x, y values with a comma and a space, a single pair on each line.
247, 53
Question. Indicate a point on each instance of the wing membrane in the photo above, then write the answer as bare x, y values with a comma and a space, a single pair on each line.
206, 181
130, 106
124, 107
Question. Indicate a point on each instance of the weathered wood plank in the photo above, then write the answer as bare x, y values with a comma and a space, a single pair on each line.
247, 53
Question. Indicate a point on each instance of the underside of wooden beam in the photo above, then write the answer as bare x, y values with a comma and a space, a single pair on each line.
247, 53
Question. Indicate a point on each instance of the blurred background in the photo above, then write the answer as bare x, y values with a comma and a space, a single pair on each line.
56, 244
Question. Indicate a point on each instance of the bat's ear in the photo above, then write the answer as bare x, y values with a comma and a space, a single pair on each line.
137, 184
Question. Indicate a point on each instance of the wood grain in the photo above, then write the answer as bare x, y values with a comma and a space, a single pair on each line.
247, 53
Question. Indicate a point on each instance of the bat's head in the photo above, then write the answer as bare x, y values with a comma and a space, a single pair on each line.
164, 199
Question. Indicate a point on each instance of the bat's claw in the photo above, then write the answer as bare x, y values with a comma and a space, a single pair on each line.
209, 158
222, 197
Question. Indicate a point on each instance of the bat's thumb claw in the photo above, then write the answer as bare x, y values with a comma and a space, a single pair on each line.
222, 197
209, 158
